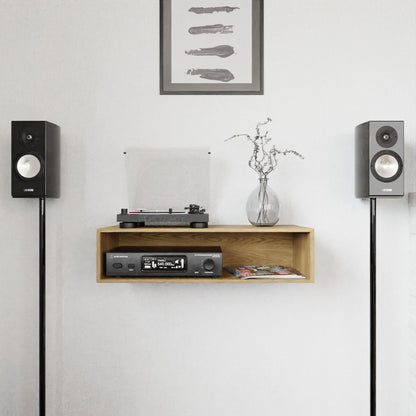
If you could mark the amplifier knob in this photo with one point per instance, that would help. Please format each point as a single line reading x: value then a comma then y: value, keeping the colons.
x: 208, y: 265
x: 117, y: 265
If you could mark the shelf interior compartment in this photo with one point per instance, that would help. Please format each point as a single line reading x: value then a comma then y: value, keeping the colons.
x: 291, y: 249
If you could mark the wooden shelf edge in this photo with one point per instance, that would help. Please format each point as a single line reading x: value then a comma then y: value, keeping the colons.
x: 210, y: 229
x: 226, y: 278
x: 195, y: 280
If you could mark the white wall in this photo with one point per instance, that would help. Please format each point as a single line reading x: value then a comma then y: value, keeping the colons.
x: 181, y: 349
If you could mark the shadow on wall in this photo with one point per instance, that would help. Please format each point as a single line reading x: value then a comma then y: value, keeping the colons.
x: 61, y: 215
x: 412, y: 300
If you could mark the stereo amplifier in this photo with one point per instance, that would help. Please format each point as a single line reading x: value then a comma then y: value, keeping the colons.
x: 164, y: 261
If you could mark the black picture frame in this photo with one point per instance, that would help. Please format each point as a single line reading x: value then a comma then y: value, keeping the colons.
x: 211, y: 86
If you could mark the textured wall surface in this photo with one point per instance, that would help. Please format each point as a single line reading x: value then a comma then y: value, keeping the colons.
x: 180, y: 349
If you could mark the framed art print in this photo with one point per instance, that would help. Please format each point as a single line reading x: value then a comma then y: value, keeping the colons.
x: 211, y: 47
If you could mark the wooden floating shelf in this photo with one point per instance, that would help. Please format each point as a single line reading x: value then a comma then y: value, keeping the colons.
x: 287, y: 245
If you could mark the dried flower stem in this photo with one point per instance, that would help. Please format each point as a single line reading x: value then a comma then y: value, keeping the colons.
x: 263, y: 160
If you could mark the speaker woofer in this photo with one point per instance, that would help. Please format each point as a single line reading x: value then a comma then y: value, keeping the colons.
x: 386, y: 166
x: 28, y: 166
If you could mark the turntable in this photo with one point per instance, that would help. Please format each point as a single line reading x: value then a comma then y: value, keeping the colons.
x: 193, y: 216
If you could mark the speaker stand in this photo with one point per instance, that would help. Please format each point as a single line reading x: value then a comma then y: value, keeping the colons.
x: 42, y: 303
x: 373, y: 298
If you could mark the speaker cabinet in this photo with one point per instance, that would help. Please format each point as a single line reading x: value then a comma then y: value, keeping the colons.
x: 35, y: 159
x: 379, y: 159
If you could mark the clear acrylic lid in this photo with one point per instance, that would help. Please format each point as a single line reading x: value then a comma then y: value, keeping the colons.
x: 159, y: 179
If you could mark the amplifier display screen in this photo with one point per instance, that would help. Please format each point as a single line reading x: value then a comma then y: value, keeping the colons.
x: 167, y: 263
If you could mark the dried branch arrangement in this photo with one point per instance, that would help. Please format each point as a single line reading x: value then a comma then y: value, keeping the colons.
x: 263, y: 160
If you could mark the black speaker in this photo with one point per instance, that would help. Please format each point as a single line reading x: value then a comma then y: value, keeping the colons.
x: 35, y: 159
x: 379, y: 159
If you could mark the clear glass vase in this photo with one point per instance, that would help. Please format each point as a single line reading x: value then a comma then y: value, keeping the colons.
x: 263, y: 207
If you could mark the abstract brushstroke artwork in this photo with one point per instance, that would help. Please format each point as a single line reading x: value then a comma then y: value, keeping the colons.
x: 211, y: 47
x: 210, y: 29
x: 201, y: 10
x: 223, y: 75
x: 223, y: 51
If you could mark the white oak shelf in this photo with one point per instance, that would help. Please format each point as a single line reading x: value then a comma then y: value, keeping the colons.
x: 287, y: 245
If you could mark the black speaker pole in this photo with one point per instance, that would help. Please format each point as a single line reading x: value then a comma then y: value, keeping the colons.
x: 42, y: 302
x: 35, y: 173
x: 373, y: 298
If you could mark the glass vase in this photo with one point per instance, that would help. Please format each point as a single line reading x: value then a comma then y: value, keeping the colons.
x: 263, y: 206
